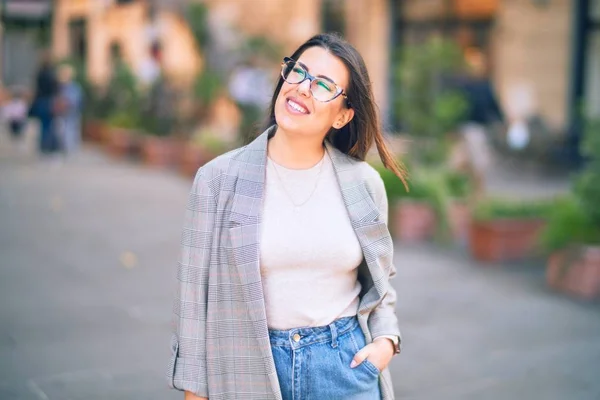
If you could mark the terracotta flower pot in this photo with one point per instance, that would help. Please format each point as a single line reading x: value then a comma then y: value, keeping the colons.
x: 413, y: 220
x: 575, y: 271
x: 93, y: 130
x: 192, y: 158
x: 160, y: 151
x: 504, y: 239
x: 122, y: 142
x: 459, y: 219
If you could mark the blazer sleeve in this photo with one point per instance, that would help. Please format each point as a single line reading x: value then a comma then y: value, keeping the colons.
x: 187, y: 369
x: 383, y: 320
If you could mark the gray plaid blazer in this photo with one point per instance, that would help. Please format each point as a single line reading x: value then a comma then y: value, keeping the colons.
x: 220, y: 347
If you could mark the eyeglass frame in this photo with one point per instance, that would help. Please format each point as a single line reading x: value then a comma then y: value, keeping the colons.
x: 311, y: 78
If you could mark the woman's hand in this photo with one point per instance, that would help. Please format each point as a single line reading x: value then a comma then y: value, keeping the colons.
x: 192, y: 396
x: 379, y: 353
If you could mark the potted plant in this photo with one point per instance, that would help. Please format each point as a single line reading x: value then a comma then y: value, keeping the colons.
x: 160, y: 151
x: 573, y: 232
x: 122, y: 138
x: 158, y: 146
x: 414, y: 214
x: 506, y: 230
x: 203, y: 147
x: 573, y: 241
x: 121, y: 103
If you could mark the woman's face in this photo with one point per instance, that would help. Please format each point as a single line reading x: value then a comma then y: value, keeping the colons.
x: 298, y: 112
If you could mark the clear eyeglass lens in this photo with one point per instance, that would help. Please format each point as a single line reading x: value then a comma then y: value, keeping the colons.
x: 293, y: 72
x: 322, y: 89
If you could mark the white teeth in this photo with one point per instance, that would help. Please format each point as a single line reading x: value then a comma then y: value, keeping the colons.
x: 297, y: 107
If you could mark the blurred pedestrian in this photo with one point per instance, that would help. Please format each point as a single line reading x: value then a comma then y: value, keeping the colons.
x: 15, y: 114
x: 249, y: 86
x: 68, y: 109
x: 42, y: 106
x: 484, y: 112
x: 286, y: 255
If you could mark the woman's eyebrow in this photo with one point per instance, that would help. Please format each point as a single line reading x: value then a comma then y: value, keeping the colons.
x: 318, y: 76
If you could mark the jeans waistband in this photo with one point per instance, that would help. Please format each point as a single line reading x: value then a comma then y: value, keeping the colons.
x: 300, y: 337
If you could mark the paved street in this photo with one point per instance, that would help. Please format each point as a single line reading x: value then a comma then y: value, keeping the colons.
x: 87, y: 272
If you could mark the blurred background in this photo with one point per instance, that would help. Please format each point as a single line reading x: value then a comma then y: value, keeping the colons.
x: 109, y: 107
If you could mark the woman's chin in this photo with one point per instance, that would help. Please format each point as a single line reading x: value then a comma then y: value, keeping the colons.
x: 289, y: 124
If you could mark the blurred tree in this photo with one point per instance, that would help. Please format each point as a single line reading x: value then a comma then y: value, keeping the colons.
x: 587, y: 184
x: 427, y: 107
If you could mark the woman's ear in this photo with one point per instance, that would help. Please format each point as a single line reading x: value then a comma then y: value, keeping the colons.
x: 343, y: 118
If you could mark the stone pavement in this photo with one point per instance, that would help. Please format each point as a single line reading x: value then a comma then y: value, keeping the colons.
x: 87, y: 265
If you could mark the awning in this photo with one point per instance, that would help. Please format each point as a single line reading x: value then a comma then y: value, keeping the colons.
x: 26, y: 10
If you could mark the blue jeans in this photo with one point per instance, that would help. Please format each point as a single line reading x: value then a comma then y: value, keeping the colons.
x: 314, y: 363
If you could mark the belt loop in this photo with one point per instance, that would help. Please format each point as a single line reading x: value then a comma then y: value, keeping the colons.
x: 334, y: 334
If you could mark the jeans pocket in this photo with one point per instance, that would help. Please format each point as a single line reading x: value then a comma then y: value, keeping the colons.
x: 369, y: 365
x: 357, y: 339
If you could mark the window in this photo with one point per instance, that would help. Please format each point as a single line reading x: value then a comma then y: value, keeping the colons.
x: 592, y: 65
x: 333, y: 16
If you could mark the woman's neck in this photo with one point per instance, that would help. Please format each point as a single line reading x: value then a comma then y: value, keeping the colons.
x: 295, y: 152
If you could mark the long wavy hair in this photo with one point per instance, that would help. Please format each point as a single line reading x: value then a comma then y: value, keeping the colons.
x: 356, y: 137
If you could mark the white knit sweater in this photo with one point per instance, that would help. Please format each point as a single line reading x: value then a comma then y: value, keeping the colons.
x: 309, y: 254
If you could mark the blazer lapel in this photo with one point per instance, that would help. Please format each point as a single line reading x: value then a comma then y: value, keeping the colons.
x: 244, y: 233
x: 244, y: 227
x: 367, y: 222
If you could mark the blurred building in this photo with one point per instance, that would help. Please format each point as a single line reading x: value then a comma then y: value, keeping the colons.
x: 94, y: 31
x: 25, y: 26
x: 543, y: 56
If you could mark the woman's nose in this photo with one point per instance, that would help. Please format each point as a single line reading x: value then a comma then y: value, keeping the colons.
x: 304, y: 88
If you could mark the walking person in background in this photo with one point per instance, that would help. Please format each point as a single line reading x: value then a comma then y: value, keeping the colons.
x: 68, y: 109
x: 15, y: 115
x: 284, y: 275
x: 249, y: 85
x: 42, y: 106
x: 484, y: 112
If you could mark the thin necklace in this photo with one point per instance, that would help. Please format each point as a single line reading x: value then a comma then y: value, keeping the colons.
x: 297, y: 206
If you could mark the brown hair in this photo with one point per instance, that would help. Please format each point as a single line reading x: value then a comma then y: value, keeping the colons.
x: 355, y: 138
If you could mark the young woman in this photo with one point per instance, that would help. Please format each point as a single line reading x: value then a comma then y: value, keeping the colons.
x: 286, y: 256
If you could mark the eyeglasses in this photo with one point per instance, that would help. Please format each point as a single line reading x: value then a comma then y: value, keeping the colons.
x: 323, y: 89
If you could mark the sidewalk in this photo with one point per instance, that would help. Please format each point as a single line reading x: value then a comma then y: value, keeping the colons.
x: 87, y: 273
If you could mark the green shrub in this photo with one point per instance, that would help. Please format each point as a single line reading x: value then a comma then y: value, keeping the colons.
x: 576, y: 219
x: 458, y: 184
x: 426, y: 107
x: 124, y: 120
x: 567, y: 224
x: 393, y: 185
x: 496, y: 208
x: 210, y: 141
x: 587, y: 184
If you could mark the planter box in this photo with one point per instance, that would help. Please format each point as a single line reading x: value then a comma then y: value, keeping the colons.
x: 413, y: 221
x: 575, y: 271
x: 192, y: 158
x: 122, y: 143
x: 160, y: 151
x: 93, y: 130
x: 459, y: 220
x: 504, y: 239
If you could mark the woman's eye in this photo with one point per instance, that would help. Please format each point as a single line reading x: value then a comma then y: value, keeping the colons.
x: 325, y: 85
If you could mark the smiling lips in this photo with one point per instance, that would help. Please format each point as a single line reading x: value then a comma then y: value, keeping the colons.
x: 297, y: 106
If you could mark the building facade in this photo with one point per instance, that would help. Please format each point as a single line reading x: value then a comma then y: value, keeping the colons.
x: 91, y: 30
x: 543, y: 55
